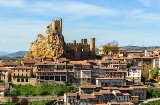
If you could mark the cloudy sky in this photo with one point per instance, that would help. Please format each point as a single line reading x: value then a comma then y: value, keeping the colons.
x: 130, y: 22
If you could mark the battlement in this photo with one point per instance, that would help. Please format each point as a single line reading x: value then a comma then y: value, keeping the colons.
x: 76, y: 44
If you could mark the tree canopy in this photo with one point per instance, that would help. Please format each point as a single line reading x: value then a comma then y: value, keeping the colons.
x: 154, y: 72
x: 111, y: 46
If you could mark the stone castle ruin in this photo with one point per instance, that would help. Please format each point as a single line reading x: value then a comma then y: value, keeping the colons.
x: 52, y: 45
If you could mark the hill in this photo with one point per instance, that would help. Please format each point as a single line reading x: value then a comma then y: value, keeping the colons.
x: 17, y: 54
x: 2, y: 53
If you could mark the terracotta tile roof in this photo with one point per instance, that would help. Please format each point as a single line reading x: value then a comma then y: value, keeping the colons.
x: 123, y: 62
x: 121, y: 71
x: 60, y: 70
x: 135, y: 51
x: 83, y: 96
x: 1, y: 89
x: 4, y: 69
x: 109, y: 78
x: 10, y: 63
x: 117, y: 58
x: 146, y: 57
x: 106, y: 88
x: 45, y: 63
x: 107, y: 68
x: 63, y: 59
x: 69, y: 64
x: 45, y: 71
x: 21, y: 68
x: 134, y: 56
x: 149, y: 50
x: 29, y: 61
x: 86, y: 70
x: 86, y: 64
x: 129, y: 88
x: 105, y: 91
x: 158, y: 49
x: 106, y: 58
x: 114, y: 61
x: 90, y: 96
x: 1, y: 64
x: 135, y: 67
x: 78, y: 62
x: 71, y: 94
x: 126, y: 94
x: 139, y: 87
x: 103, y: 61
x: 120, y: 103
x: 97, y: 93
x: 58, y: 63
x: 95, y: 67
x: 117, y: 91
x: 134, y: 96
x: 100, y: 104
x: 90, y: 86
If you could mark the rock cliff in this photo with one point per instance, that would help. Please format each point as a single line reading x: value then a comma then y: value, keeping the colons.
x: 51, y: 45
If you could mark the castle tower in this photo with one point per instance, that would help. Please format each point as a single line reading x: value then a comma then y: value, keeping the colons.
x: 83, y: 41
x: 74, y: 42
x: 57, y: 25
x: 92, y: 44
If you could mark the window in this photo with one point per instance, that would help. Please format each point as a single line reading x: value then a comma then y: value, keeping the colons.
x: 26, y: 80
x: 18, y: 80
x: 22, y: 80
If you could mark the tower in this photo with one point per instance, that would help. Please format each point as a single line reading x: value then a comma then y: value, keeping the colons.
x: 92, y: 44
x: 57, y: 25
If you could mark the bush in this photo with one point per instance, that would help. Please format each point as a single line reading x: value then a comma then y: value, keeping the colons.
x: 28, y: 90
x: 15, y: 99
x: 153, y: 92
x: 24, y: 101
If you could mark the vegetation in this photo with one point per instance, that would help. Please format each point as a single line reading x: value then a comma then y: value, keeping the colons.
x: 19, y: 59
x: 44, y: 102
x: 112, y: 46
x: 152, y: 103
x: 154, y: 72
x: 29, y: 90
x: 153, y: 92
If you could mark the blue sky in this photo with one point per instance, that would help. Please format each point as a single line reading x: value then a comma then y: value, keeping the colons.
x: 130, y: 22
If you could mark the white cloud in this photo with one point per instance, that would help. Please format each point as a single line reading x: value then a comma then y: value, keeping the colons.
x: 146, y: 2
x: 52, y: 8
x: 12, y: 3
x: 144, y: 17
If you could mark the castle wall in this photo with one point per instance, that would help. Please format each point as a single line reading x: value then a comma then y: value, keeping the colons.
x: 78, y: 47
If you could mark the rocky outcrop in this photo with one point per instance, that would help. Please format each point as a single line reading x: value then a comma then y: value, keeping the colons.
x: 51, y: 45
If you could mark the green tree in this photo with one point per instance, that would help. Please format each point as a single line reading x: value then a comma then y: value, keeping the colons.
x: 154, y: 72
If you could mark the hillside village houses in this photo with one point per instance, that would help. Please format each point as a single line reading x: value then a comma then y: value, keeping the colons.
x: 112, y: 79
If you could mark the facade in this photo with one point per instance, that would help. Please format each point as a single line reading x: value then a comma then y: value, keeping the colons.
x: 95, y: 94
x: 134, y: 74
x: 145, y: 62
x: 21, y: 75
x: 5, y: 75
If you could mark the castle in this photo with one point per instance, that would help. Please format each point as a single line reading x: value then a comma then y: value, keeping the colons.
x: 52, y: 45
